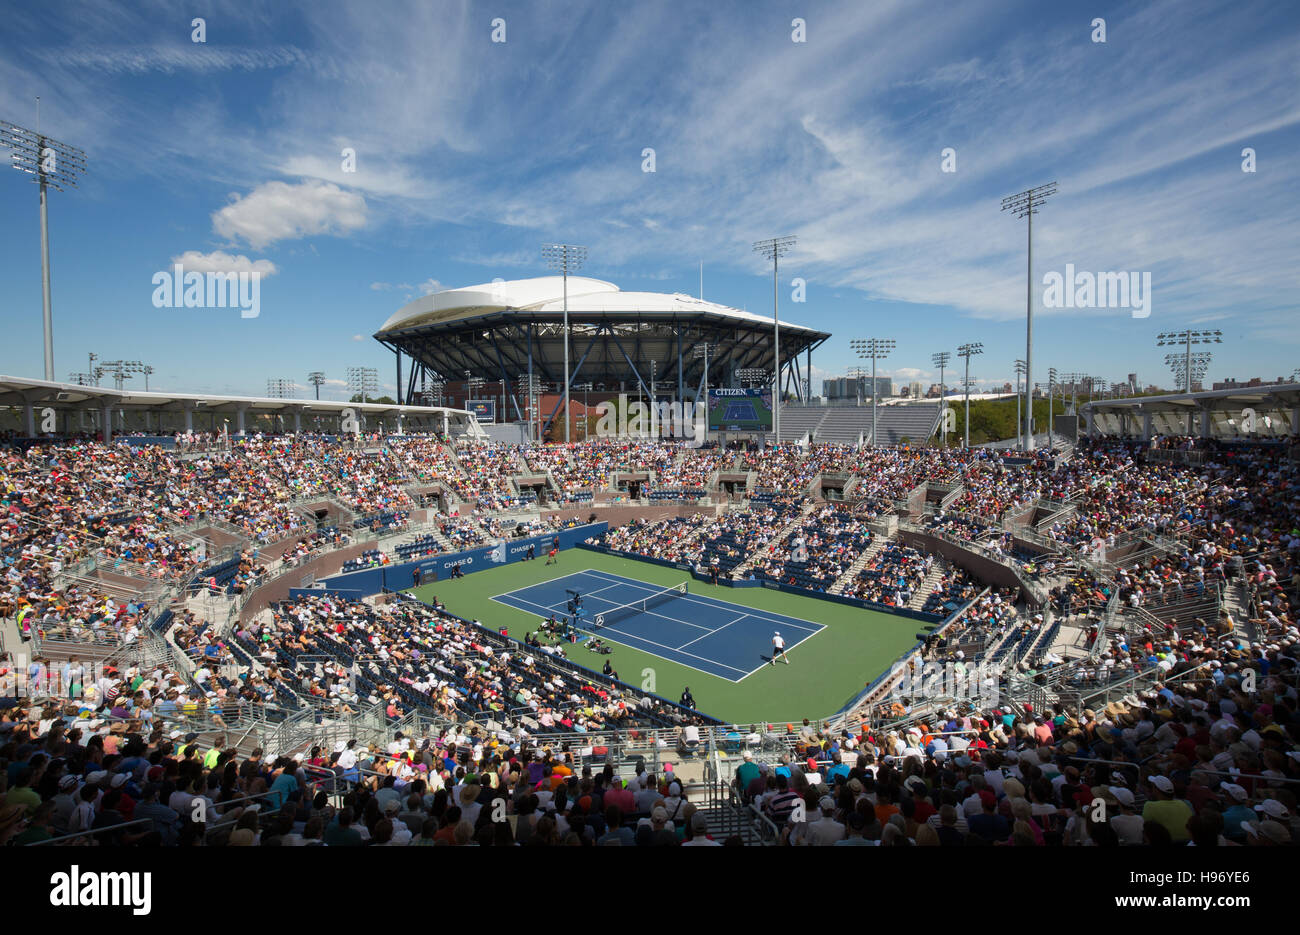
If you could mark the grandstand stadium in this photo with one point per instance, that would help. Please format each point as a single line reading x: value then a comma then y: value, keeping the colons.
x: 409, y: 620
x: 230, y: 620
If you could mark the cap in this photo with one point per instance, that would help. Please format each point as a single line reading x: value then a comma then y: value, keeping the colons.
x: 1235, y: 791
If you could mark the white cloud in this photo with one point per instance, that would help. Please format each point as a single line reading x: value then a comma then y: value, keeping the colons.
x: 280, y: 211
x: 430, y: 286
x: 381, y: 286
x: 192, y: 57
x: 219, y: 262
x: 358, y: 337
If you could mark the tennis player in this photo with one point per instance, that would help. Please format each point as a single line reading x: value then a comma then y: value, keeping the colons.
x: 778, y: 648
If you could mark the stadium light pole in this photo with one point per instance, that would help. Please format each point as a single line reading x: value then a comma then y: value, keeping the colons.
x: 147, y: 371
x: 1186, y: 338
x: 773, y: 249
x: 704, y: 350
x: 1051, y: 388
x: 316, y: 378
x: 941, y: 359
x: 52, y: 165
x: 566, y: 258
x: 968, y: 351
x: 1025, y: 205
x: 1020, y: 429
x: 873, y: 349
x: 363, y: 380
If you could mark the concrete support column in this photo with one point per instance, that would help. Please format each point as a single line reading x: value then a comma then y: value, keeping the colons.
x: 239, y: 420
x: 1205, y: 422
x: 1146, y: 426
x: 106, y: 423
x: 29, y: 419
x: 189, y: 419
x: 297, y: 421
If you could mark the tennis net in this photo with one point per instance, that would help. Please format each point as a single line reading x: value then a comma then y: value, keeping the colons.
x: 640, y: 606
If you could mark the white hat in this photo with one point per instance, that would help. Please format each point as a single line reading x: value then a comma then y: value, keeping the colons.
x: 1237, y: 792
x: 1163, y: 783
x: 1273, y: 809
x: 1122, y: 796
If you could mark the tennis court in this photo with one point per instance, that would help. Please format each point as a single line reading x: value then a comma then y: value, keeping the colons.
x: 709, y: 635
x: 740, y: 411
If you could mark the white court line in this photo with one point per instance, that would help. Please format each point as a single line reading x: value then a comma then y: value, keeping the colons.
x: 642, y: 638
x: 787, y: 652
x: 714, y: 602
x: 711, y: 632
x: 564, y: 605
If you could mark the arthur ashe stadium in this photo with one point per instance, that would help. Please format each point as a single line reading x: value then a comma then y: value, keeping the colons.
x: 310, y: 622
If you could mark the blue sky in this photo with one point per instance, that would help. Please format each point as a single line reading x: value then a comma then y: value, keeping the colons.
x: 470, y: 154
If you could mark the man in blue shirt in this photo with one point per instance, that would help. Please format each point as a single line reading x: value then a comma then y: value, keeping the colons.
x: 838, y: 770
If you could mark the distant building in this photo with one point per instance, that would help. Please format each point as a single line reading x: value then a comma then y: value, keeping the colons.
x: 1231, y: 384
x: 855, y: 387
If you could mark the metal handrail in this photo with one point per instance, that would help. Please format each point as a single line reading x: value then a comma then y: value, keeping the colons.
x: 92, y: 831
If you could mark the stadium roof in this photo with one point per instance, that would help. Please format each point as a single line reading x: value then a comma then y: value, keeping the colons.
x: 23, y: 393
x: 546, y: 294
x: 1222, y: 413
x: 506, y: 331
x: 19, y: 391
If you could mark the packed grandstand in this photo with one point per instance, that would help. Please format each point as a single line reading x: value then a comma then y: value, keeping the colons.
x: 172, y: 675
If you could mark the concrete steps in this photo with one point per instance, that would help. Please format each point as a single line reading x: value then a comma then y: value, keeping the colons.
x: 938, y: 570
x: 877, y: 543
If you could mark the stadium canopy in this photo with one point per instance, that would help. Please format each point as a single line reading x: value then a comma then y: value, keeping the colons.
x: 620, y: 341
x: 168, y: 413
x: 1246, y: 412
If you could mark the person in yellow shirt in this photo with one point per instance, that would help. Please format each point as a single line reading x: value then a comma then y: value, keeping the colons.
x: 1166, y: 810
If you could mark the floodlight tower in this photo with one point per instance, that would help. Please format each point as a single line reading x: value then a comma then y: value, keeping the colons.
x: 705, y: 350
x: 566, y: 258
x: 119, y: 370
x: 317, y: 379
x: 1051, y: 388
x: 873, y: 349
x: 1025, y: 205
x: 1020, y: 436
x: 941, y: 359
x: 968, y: 351
x: 773, y: 249
x: 363, y: 381
x: 52, y: 165
x: 1186, y: 338
x: 147, y: 371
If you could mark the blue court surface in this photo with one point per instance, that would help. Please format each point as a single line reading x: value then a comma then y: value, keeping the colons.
x: 740, y: 412
x: 702, y: 633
